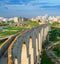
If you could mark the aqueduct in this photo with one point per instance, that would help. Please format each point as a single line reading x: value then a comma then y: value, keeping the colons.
x: 26, y: 48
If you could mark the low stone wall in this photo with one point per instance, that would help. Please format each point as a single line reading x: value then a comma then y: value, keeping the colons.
x: 5, y: 45
x: 5, y: 40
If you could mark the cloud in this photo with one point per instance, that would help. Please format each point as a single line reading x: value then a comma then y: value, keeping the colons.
x: 28, y: 7
x: 27, y: 4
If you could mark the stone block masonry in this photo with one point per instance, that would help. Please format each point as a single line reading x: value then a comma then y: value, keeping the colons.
x: 26, y: 47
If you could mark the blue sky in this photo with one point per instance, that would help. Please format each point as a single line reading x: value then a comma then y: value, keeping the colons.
x: 29, y: 8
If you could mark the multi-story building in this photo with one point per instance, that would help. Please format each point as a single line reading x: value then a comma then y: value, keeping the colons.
x: 41, y: 19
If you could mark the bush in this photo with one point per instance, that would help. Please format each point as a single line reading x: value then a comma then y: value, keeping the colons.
x: 53, y: 35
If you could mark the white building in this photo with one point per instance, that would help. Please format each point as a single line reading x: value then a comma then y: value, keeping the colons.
x: 5, y: 19
x: 1, y: 19
x: 33, y: 19
x: 16, y: 19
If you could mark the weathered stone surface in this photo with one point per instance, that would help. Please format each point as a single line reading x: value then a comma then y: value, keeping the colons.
x: 26, y: 47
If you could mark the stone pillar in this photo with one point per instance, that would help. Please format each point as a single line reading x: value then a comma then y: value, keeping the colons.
x: 31, y: 52
x: 41, y: 39
x: 40, y: 43
x: 24, y: 59
x: 15, y: 61
x: 48, y: 28
x: 37, y: 50
x: 45, y: 33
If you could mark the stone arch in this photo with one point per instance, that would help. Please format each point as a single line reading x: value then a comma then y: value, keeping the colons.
x: 24, y: 58
x: 31, y: 51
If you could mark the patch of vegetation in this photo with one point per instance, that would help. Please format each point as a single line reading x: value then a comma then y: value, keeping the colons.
x: 54, y: 33
x: 56, y: 49
x: 4, y: 24
x: 46, y: 43
x: 33, y: 23
x: 45, y: 58
x: 2, y: 41
x: 54, y: 36
x: 55, y: 24
x: 8, y: 31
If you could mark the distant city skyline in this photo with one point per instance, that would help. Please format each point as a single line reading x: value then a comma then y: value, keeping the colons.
x: 29, y: 8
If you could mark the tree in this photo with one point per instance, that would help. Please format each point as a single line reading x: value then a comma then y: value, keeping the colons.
x: 53, y: 35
